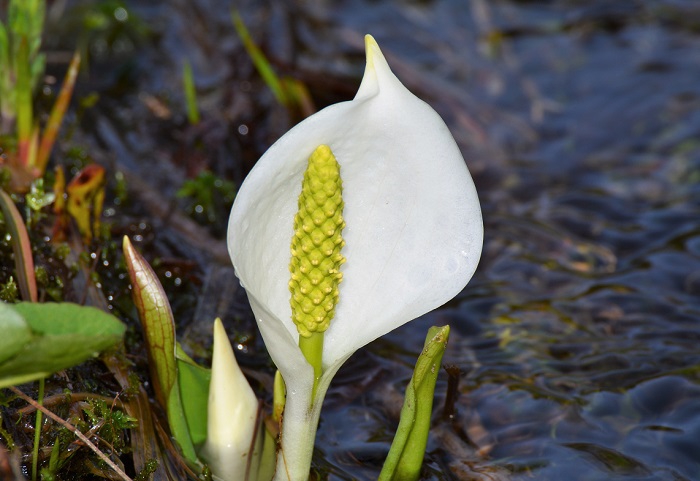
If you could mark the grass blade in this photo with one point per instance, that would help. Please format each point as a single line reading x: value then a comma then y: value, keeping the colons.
x: 37, y: 431
x: 57, y: 113
x: 23, y: 99
x: 190, y: 94
x: 7, y: 105
x: 22, y: 248
x: 261, y: 64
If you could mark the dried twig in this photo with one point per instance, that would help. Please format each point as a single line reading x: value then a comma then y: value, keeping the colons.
x: 72, y: 398
x: 75, y: 431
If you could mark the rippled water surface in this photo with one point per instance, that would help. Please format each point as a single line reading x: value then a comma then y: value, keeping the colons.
x: 577, y: 340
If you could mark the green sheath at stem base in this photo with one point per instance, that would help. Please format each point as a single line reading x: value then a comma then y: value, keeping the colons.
x: 312, y: 347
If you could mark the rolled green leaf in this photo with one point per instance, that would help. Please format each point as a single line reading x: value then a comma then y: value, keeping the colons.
x: 156, y: 321
x: 408, y: 448
x: 159, y: 332
x: 6, y: 91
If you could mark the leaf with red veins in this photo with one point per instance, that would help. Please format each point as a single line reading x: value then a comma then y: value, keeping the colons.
x: 21, y: 247
x: 156, y: 321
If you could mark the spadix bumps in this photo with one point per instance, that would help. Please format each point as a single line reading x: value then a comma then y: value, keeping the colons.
x: 316, y: 257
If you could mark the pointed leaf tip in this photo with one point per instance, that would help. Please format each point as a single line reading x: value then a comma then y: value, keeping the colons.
x: 156, y: 318
x: 232, y: 422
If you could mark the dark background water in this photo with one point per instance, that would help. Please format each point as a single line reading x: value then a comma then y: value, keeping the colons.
x: 577, y: 340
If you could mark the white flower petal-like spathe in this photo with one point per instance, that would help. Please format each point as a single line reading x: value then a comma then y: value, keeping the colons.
x: 232, y: 421
x: 412, y: 240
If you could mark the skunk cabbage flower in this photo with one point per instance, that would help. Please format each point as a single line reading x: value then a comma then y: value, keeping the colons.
x: 411, y: 237
x: 232, y: 421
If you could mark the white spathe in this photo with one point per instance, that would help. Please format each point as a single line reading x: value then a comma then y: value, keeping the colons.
x: 413, y: 236
x: 232, y: 421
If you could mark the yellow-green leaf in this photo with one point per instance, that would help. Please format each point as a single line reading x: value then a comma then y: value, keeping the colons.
x: 405, y: 457
x: 193, y: 382
x: 86, y: 193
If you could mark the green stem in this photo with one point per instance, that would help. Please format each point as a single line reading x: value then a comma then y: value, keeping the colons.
x: 37, y: 431
x: 312, y: 348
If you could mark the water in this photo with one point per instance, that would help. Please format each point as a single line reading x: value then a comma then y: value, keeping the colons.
x: 578, y: 337
x: 577, y: 340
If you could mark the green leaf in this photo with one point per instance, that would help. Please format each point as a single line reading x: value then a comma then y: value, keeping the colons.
x: 178, y: 424
x: 193, y: 383
x: 62, y: 335
x: 156, y: 321
x: 159, y: 331
x: 15, y: 332
x: 405, y: 457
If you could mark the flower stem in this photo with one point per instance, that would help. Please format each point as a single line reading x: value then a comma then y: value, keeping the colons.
x: 312, y: 348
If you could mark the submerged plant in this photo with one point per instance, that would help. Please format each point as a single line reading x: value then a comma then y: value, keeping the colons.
x: 383, y: 186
